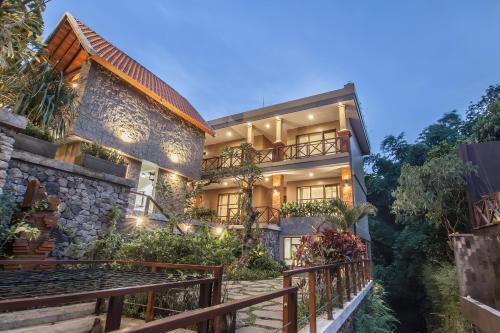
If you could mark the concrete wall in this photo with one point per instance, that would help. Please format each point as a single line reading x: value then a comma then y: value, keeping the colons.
x: 110, y: 107
x: 86, y: 196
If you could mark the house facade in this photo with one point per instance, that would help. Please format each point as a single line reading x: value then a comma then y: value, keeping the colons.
x: 126, y: 108
x: 309, y: 149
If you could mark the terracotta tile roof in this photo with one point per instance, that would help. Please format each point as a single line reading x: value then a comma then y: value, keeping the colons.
x: 98, y: 47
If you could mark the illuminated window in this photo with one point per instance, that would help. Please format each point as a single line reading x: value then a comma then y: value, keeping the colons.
x: 317, y: 192
x: 228, y: 206
x: 290, y: 245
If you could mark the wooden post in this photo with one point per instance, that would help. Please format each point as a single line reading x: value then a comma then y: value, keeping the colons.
x: 340, y: 291
x: 291, y: 314
x: 347, y: 281
x: 232, y: 325
x: 363, y: 272
x: 354, y: 278
x: 204, y: 301
x: 329, y: 294
x: 217, y: 295
x: 149, y: 315
x: 311, y: 279
x: 287, y: 282
x: 114, y: 316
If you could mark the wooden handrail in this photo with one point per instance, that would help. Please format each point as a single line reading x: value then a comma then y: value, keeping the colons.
x: 288, y: 152
x: 486, y: 212
x: 200, y: 315
x: 356, y: 275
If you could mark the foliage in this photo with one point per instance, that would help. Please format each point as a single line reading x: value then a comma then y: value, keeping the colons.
x: 440, y: 280
x: 329, y: 246
x: 21, y: 27
x: 434, y: 191
x: 109, y: 242
x: 374, y: 315
x: 307, y: 208
x: 99, y: 151
x: 260, y: 266
x: 201, y: 213
x: 347, y: 216
x: 38, y: 132
x: 10, y: 231
x: 483, y: 117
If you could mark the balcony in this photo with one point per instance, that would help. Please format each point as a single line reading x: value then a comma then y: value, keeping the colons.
x: 297, y: 151
x: 267, y: 215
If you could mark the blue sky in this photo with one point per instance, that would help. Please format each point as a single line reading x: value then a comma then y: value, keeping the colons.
x: 411, y: 61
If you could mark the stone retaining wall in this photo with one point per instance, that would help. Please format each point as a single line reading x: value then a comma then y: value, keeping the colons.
x: 86, y: 196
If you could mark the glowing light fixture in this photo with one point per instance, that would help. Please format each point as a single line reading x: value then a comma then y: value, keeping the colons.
x: 311, y: 174
x: 229, y: 133
x: 125, y: 137
x: 174, y: 158
x: 74, y: 85
x: 218, y: 230
x: 139, y: 220
x: 268, y: 125
x: 225, y: 183
x: 311, y: 116
x: 266, y: 179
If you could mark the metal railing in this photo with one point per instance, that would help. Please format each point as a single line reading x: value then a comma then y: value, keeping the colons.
x: 281, y: 153
x: 487, y: 211
x: 184, y: 319
x: 350, y: 278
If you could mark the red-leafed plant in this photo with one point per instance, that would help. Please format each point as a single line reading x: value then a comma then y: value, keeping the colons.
x: 329, y: 246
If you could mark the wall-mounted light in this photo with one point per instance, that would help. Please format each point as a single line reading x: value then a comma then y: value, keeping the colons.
x: 268, y: 125
x: 218, y: 231
x: 174, y: 157
x: 311, y: 174
x: 224, y: 183
x: 229, y: 133
x: 311, y: 116
x: 125, y: 137
x: 266, y: 179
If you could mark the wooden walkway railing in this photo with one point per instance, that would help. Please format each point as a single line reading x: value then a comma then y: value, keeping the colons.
x: 487, y: 211
x: 184, y: 319
x: 351, y: 277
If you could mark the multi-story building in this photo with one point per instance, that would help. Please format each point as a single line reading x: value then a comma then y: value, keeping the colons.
x: 309, y: 149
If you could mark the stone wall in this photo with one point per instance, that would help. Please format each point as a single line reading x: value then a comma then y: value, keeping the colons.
x: 86, y: 197
x: 170, y: 192
x: 111, y: 108
x: 270, y: 239
x: 9, y: 124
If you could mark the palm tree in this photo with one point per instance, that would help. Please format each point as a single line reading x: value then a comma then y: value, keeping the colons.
x: 347, y: 215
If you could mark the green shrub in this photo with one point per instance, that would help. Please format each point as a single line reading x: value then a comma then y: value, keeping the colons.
x: 260, y: 266
x: 97, y: 150
x: 308, y: 208
x: 201, y: 213
x: 373, y: 315
x: 38, y: 132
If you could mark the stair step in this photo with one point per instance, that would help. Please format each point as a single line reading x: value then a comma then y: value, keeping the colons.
x: 19, y: 319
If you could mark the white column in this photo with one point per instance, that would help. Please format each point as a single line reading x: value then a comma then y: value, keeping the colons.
x: 342, y: 118
x: 279, y: 123
x: 250, y: 133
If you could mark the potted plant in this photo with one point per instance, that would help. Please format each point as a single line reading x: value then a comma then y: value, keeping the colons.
x: 95, y: 157
x: 37, y: 140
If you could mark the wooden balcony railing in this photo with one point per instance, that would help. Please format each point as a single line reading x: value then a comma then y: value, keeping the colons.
x: 267, y: 215
x: 281, y: 153
x: 487, y: 211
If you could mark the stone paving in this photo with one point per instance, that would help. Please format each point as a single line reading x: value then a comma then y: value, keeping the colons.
x: 263, y: 317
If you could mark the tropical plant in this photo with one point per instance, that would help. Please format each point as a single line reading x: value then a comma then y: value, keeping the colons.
x: 329, y: 246
x: 201, y: 213
x: 373, y: 315
x: 347, y: 215
x: 97, y: 150
x: 308, y: 208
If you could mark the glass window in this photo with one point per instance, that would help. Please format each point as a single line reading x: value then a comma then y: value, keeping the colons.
x: 317, y: 192
x: 290, y: 245
x: 228, y: 205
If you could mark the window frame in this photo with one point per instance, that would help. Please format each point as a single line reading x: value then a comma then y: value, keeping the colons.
x: 299, y: 194
x: 227, y: 217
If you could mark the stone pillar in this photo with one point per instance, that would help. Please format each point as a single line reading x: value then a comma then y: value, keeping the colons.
x: 278, y: 194
x: 347, y: 185
x: 343, y: 134
x: 250, y: 133
x: 278, y: 143
x: 9, y: 124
